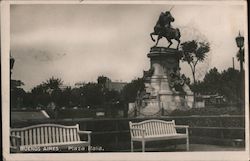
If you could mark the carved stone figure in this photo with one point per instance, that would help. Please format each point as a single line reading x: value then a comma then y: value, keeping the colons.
x: 177, y: 81
x: 148, y: 74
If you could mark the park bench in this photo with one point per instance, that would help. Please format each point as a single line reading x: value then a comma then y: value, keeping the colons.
x: 48, y: 136
x: 156, y: 130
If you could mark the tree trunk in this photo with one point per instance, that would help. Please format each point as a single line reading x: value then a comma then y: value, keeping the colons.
x: 193, y: 72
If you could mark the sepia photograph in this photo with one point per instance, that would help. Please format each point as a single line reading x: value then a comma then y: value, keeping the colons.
x: 125, y: 78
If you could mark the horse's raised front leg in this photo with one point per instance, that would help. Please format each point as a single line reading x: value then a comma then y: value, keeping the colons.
x: 170, y: 42
x: 151, y: 35
x: 159, y: 37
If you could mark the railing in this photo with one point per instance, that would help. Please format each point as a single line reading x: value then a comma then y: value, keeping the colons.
x: 113, y: 133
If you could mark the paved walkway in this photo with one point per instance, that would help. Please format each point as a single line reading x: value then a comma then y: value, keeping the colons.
x: 194, y: 148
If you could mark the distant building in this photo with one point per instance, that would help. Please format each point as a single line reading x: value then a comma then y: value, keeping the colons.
x: 116, y: 86
x: 209, y: 100
x: 79, y: 84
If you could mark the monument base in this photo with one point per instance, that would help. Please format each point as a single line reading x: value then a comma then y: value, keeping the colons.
x: 161, y: 89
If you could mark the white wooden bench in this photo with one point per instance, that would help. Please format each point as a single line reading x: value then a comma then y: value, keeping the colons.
x: 48, y: 135
x: 156, y: 130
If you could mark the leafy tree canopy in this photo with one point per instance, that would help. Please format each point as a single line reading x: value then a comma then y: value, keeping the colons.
x: 194, y: 52
x: 130, y: 90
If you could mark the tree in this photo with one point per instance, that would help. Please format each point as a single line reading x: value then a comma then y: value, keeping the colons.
x: 193, y: 53
x: 53, y: 83
x: 93, y: 94
x: 17, y: 94
x: 47, y: 92
x: 210, y: 84
x: 230, y: 84
x: 16, y: 97
x: 111, y: 96
x: 225, y: 83
x: 40, y: 95
x: 65, y: 97
x: 102, y: 79
x: 130, y: 90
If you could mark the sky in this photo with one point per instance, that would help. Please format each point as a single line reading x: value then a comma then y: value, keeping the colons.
x: 78, y: 43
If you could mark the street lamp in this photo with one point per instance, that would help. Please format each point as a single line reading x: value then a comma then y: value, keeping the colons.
x: 240, y: 55
x: 12, y: 61
x: 240, y: 44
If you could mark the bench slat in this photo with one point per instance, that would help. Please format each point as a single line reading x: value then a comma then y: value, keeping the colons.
x: 167, y: 128
x: 135, y: 131
x: 38, y: 135
x: 157, y: 128
x: 42, y: 135
x: 71, y: 135
x: 170, y: 129
x: 74, y: 135
x: 57, y: 135
x: 26, y: 138
x: 18, y: 133
x: 68, y: 137
x: 64, y: 135
x: 139, y: 132
x: 45, y: 135
x: 153, y: 128
x: 30, y: 137
x: 161, y: 128
x: 146, y: 127
x: 12, y: 140
x: 53, y: 134
x: 33, y: 131
x: 164, y: 128
x: 61, y: 134
x: 49, y: 135
x: 22, y: 137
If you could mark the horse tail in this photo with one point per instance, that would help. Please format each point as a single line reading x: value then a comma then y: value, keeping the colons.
x: 178, y: 33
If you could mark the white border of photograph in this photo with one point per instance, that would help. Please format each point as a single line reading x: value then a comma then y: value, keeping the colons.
x: 149, y: 156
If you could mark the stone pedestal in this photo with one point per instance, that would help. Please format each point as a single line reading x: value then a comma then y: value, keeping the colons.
x: 164, y: 62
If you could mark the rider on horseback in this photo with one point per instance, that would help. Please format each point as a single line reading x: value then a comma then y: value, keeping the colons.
x: 164, y: 21
x: 163, y: 28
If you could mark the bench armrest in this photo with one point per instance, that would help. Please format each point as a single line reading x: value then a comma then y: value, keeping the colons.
x: 86, y: 132
x: 182, y: 127
x: 15, y: 142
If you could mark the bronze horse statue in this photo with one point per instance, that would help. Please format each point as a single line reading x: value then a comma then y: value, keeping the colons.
x: 163, y: 28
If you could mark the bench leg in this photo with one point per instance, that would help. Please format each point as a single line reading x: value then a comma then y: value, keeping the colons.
x: 132, y: 146
x: 187, y: 144
x: 143, y: 146
x: 89, y: 148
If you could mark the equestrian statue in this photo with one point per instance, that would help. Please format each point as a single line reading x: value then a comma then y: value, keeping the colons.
x: 163, y: 28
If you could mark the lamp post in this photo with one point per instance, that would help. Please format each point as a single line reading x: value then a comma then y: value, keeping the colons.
x: 240, y: 55
x: 240, y: 44
x: 12, y: 61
